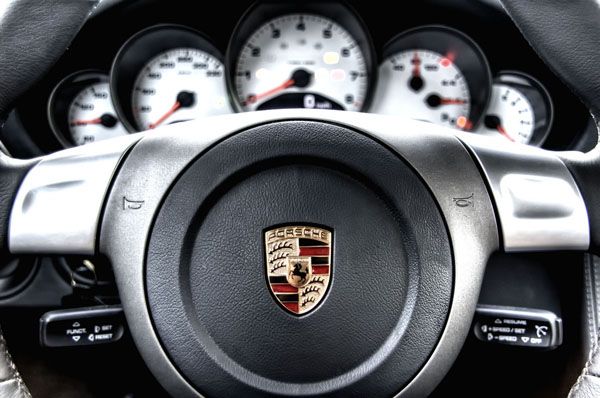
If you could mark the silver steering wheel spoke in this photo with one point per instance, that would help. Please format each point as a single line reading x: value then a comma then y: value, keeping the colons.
x: 59, y: 203
x: 537, y: 201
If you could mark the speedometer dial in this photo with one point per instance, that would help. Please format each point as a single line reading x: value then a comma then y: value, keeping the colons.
x: 300, y: 60
x: 167, y: 74
x: 177, y: 85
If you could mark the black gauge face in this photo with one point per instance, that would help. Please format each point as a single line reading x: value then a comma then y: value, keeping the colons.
x: 435, y: 74
x: 520, y: 110
x: 80, y: 110
x: 300, y: 59
x: 168, y: 74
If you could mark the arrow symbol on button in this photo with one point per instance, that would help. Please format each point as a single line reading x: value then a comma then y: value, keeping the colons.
x: 76, y: 324
x: 525, y: 339
x: 76, y: 338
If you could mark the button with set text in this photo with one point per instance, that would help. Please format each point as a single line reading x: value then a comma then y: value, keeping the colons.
x: 82, y: 326
x: 515, y: 326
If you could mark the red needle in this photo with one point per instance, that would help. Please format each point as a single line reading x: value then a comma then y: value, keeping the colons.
x: 253, y: 98
x: 417, y: 65
x: 175, y: 106
x: 452, y: 101
x: 84, y: 122
x: 504, y: 133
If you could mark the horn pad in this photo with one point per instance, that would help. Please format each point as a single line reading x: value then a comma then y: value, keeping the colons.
x: 391, y: 271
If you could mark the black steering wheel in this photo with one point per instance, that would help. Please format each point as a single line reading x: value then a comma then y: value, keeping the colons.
x: 300, y: 252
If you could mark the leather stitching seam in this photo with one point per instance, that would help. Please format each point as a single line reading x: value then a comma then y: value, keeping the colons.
x: 15, y: 375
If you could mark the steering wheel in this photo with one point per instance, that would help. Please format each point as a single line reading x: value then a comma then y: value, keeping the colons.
x: 383, y: 226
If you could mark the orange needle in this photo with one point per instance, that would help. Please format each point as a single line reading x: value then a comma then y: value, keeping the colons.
x: 451, y: 101
x: 417, y: 65
x: 175, y: 106
x: 504, y: 133
x: 84, y: 122
x: 253, y: 98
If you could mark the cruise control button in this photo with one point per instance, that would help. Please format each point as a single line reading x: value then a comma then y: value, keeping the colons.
x: 82, y: 326
x: 524, y: 327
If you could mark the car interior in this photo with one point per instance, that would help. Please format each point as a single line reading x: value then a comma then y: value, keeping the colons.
x: 341, y: 198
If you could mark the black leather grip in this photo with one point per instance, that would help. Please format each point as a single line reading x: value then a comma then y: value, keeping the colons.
x: 586, y: 171
x: 566, y: 35
x: 12, y: 173
x: 33, y: 35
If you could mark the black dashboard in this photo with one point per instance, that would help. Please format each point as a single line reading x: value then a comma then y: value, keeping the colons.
x: 137, y: 65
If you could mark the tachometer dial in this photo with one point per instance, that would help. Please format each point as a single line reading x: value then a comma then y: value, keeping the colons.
x: 168, y: 74
x: 520, y: 110
x: 435, y: 74
x: 301, y: 60
x: 80, y: 110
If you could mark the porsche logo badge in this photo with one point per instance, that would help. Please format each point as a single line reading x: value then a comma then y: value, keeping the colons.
x: 298, y: 266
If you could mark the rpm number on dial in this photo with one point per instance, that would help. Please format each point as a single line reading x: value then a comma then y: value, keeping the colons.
x: 301, y: 61
x: 178, y: 85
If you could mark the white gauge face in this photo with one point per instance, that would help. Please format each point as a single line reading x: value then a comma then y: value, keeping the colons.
x: 423, y: 85
x: 301, y: 61
x: 92, y: 116
x: 178, y: 85
x: 509, y: 116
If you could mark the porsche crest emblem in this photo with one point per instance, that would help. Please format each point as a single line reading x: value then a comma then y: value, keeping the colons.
x: 298, y: 266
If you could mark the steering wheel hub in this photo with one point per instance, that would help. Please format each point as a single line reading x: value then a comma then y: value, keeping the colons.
x: 382, y: 285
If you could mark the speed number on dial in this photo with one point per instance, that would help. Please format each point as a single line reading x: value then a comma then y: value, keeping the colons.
x: 301, y: 61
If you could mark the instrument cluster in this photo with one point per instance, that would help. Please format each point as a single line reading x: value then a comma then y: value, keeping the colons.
x: 299, y: 55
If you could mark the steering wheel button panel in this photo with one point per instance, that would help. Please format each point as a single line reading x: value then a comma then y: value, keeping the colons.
x: 82, y: 326
x: 523, y: 327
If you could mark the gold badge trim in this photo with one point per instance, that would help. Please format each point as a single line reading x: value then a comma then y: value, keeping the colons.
x: 298, y: 260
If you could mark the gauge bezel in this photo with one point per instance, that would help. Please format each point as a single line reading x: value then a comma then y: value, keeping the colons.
x: 261, y: 13
x: 61, y: 98
x: 140, y: 49
x: 516, y: 79
x: 472, y: 63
